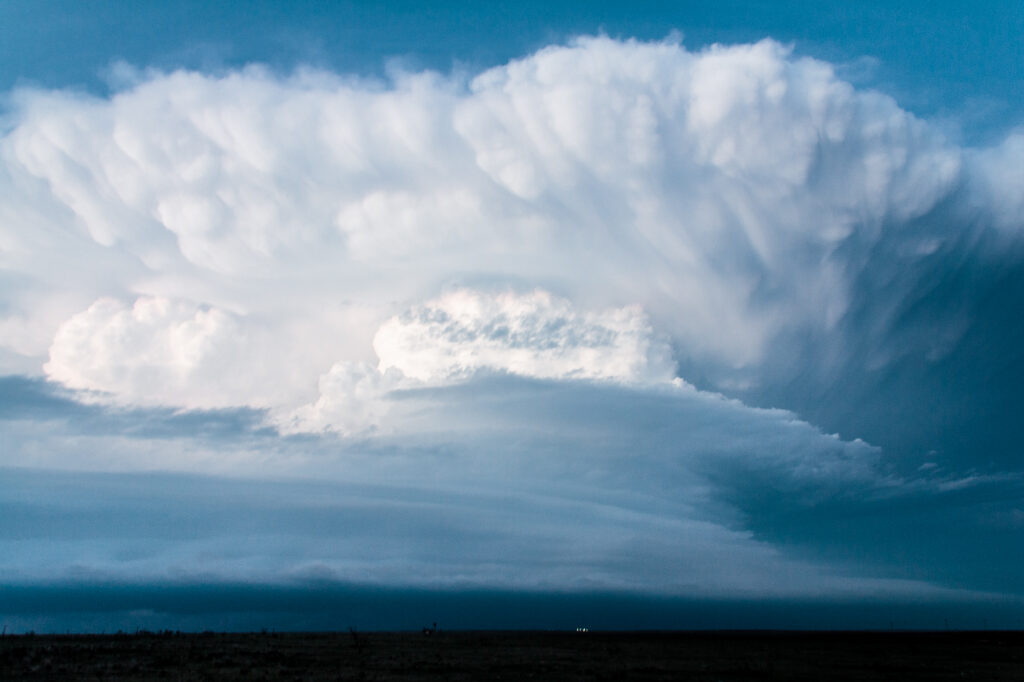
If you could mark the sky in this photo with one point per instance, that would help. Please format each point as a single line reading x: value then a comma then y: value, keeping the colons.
x: 667, y: 315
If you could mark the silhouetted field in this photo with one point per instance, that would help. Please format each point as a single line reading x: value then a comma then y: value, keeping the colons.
x: 712, y: 656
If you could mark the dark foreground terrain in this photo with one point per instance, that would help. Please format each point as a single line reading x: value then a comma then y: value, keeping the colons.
x: 517, y: 656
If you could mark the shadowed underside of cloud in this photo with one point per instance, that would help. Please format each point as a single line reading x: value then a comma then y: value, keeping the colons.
x: 479, y: 309
x: 323, y: 606
x: 503, y: 482
x: 520, y: 483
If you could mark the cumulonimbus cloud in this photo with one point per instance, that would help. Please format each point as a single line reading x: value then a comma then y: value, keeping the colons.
x: 488, y: 289
x: 725, y: 197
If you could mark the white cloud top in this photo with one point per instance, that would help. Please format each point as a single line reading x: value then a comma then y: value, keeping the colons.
x: 207, y: 241
x: 532, y: 335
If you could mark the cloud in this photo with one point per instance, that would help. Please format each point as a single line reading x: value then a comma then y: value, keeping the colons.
x: 533, y: 335
x: 492, y: 300
x: 467, y: 332
x: 503, y: 481
x: 148, y: 353
x: 133, y: 528
x: 1000, y: 178
x: 353, y: 399
x: 719, y: 191
x: 507, y: 481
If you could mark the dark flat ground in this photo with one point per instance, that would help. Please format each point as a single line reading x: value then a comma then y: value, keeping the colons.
x: 725, y: 656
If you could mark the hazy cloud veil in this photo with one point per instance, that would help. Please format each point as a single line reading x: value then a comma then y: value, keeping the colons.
x: 481, y: 310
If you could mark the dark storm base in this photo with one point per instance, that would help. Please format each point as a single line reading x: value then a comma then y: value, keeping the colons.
x: 518, y: 656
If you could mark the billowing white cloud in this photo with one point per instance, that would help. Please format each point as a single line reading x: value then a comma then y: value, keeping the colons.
x: 353, y: 400
x: 465, y: 332
x: 161, y: 352
x: 158, y: 352
x: 727, y: 197
x: 534, y: 335
x: 154, y: 351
